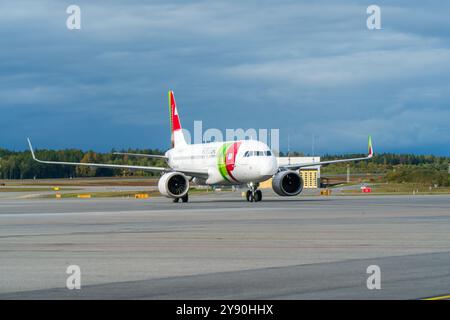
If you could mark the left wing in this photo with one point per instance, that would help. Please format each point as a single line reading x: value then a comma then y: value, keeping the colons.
x: 192, y: 173
x: 297, y: 166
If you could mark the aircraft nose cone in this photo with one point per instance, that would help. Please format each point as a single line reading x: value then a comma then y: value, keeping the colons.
x: 268, y: 168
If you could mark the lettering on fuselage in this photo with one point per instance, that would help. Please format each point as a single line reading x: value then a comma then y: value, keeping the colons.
x: 193, y: 157
x: 206, y: 153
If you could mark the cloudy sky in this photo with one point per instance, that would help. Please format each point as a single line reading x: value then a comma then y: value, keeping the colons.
x: 309, y: 68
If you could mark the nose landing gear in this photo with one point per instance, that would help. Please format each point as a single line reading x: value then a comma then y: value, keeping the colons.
x: 253, y: 194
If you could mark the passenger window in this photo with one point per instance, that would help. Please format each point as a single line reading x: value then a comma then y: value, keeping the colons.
x: 269, y: 153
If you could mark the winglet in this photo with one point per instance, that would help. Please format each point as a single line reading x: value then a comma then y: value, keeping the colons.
x: 31, y: 149
x: 370, y: 151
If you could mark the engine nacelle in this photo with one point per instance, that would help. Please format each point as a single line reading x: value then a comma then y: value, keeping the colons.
x: 287, y: 183
x: 173, y: 185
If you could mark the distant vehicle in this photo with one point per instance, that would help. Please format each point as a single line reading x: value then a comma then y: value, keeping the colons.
x: 239, y: 163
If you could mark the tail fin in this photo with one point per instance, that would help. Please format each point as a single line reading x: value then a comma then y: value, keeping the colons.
x: 176, y: 131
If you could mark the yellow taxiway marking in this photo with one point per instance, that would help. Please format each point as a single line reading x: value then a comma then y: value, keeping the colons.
x: 438, y: 298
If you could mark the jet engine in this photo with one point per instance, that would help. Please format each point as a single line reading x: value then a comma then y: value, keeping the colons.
x: 287, y: 183
x: 173, y: 185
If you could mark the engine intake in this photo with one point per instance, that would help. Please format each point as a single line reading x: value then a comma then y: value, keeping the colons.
x: 173, y: 185
x: 287, y: 183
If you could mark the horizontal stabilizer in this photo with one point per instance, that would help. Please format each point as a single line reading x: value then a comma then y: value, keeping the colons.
x: 158, y: 156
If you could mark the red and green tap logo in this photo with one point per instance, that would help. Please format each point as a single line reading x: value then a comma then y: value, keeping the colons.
x: 226, y: 160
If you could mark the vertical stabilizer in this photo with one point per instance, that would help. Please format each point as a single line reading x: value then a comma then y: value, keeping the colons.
x: 176, y: 130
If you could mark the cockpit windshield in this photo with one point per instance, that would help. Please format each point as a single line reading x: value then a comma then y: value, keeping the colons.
x: 267, y: 153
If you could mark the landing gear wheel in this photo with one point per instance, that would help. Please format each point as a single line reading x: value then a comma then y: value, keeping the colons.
x: 253, y: 194
x: 249, y: 196
x: 185, y: 198
x: 258, y: 195
x: 176, y: 200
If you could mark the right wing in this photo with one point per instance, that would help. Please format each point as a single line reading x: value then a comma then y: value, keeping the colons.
x: 297, y: 166
x: 192, y: 173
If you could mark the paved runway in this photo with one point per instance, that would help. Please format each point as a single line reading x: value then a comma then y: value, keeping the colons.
x: 220, y: 247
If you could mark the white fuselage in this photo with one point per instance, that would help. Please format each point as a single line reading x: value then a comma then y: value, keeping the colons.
x: 226, y: 163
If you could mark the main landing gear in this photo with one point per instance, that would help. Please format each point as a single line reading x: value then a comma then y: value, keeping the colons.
x: 253, y: 194
x: 184, y: 198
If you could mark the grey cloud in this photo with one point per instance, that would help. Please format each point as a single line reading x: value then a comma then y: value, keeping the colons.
x: 304, y: 67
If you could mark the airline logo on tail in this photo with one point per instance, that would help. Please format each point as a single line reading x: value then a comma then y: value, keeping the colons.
x: 175, y: 124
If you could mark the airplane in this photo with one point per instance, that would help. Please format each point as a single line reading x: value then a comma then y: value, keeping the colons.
x: 235, y: 163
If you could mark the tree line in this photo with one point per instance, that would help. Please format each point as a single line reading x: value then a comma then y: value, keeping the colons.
x: 20, y: 165
x: 386, y: 162
x: 396, y: 167
x: 400, y: 168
